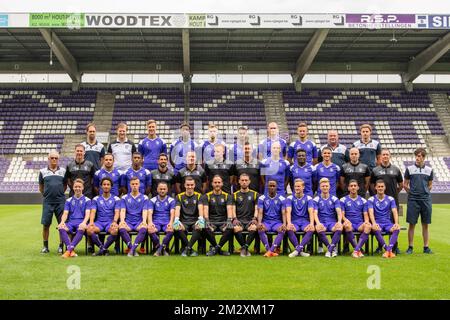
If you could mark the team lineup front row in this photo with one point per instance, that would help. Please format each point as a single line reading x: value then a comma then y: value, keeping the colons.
x: 230, y: 215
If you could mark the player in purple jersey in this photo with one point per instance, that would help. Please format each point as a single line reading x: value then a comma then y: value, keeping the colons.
x: 329, y: 170
x: 208, y: 145
x: 108, y: 171
x: 104, y: 217
x: 328, y: 217
x: 180, y: 148
x: 133, y: 217
x: 355, y: 217
x: 271, y: 217
x: 380, y: 207
x: 303, y: 143
x: 136, y: 170
x: 305, y: 172
x: 161, y: 212
x: 299, y: 217
x: 265, y: 147
x: 151, y: 147
x: 74, y: 218
x: 277, y: 169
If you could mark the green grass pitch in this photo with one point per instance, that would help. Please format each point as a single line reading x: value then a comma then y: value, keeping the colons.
x: 26, y: 274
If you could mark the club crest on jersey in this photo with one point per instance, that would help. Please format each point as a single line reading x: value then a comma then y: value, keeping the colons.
x: 249, y: 198
x: 222, y: 200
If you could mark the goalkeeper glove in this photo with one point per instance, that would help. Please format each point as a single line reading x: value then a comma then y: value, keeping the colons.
x: 176, y: 224
x: 200, y: 224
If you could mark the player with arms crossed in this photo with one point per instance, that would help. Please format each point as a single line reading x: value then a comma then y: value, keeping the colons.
x: 74, y: 219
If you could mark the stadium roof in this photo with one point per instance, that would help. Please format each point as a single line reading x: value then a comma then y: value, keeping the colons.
x: 406, y: 51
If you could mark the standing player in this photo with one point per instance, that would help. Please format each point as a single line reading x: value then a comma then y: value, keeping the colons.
x: 83, y: 169
x: 109, y: 171
x: 245, y: 213
x: 180, y: 148
x: 52, y: 185
x: 369, y: 149
x: 161, y: 212
x: 250, y: 166
x: 355, y: 170
x: 339, y: 156
x: 74, y: 219
x: 303, y: 143
x: 162, y: 174
x: 192, y: 170
x: 144, y: 176
x: 329, y: 170
x: 208, y: 146
x: 217, y: 208
x: 271, y: 218
x: 133, y: 217
x: 122, y: 149
x: 277, y: 169
x: 105, y: 213
x: 151, y: 147
x: 384, y: 218
x: 418, y: 184
x: 265, y: 147
x: 95, y: 151
x: 328, y: 217
x: 306, y: 172
x: 355, y: 217
x: 237, y: 150
x: 299, y: 217
x: 221, y: 167
x: 188, y: 217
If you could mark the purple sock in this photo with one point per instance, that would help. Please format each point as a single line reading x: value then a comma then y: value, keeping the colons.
x: 380, y: 239
x: 125, y: 237
x: 64, y: 237
x: 393, y: 240
x: 350, y: 238
x: 167, y: 238
x: 155, y: 239
x: 335, y: 239
x: 76, y: 240
x: 292, y: 238
x: 264, y: 240
x: 306, y: 239
x: 139, y: 238
x: 323, y: 238
x: 276, y: 243
x: 111, y: 239
x: 362, y: 240
x: 95, y: 240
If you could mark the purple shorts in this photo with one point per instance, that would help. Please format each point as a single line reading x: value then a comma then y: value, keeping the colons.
x: 272, y: 225
x: 329, y: 225
x: 386, y: 227
x: 356, y: 223
x: 300, y: 225
x: 103, y: 226
x: 161, y: 225
x: 73, y: 225
x: 133, y: 224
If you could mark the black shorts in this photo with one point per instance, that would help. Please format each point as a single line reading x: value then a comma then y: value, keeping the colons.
x: 416, y: 208
x: 48, y: 209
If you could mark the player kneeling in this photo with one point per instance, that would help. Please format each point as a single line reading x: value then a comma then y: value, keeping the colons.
x: 133, y: 217
x: 327, y: 208
x: 105, y: 213
x: 74, y: 218
x: 271, y: 217
x: 161, y: 211
x: 299, y: 216
x: 380, y: 208
x: 354, y: 214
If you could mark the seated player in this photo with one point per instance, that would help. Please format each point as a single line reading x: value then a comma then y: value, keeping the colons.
x: 299, y: 217
x: 355, y: 217
x: 328, y: 217
x: 380, y: 207
x: 161, y: 211
x: 105, y: 214
x: 217, y: 208
x: 271, y: 217
x: 108, y: 171
x: 245, y: 213
x: 74, y: 219
x: 188, y: 217
x: 133, y: 217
